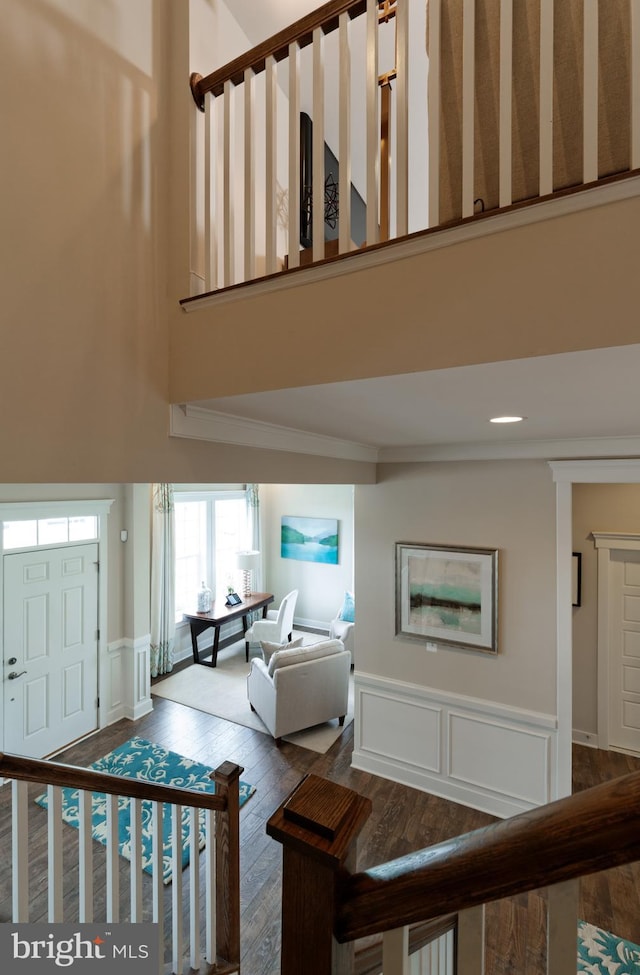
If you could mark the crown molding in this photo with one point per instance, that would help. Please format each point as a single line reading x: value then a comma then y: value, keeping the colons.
x: 628, y: 541
x: 516, y: 450
x: 607, y: 471
x: 566, y: 457
x: 197, y: 423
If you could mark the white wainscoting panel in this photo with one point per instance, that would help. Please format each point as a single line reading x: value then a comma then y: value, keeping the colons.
x: 401, y: 730
x: 112, y: 683
x: 125, y: 680
x: 483, y: 754
x: 139, y: 702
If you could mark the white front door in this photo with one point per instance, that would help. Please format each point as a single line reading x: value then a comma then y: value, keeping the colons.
x: 624, y: 651
x: 50, y: 666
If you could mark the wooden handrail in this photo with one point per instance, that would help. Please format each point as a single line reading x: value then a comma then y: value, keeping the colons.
x: 584, y: 833
x: 72, y: 776
x: 326, y: 17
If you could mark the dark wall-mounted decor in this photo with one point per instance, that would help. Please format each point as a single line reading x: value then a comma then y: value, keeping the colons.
x: 576, y: 578
x: 331, y: 200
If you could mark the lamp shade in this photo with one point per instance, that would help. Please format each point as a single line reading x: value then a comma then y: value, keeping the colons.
x: 247, y: 560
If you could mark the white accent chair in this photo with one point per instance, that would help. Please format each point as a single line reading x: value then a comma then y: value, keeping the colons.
x: 343, y: 630
x: 276, y: 627
x: 300, y: 687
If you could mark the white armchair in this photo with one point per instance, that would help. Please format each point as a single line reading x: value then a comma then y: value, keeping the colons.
x: 344, y: 629
x: 300, y: 687
x: 277, y: 626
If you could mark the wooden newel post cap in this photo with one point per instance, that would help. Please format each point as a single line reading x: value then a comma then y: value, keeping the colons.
x: 321, y: 819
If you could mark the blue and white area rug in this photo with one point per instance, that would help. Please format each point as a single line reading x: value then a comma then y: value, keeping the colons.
x: 602, y: 953
x: 141, y: 759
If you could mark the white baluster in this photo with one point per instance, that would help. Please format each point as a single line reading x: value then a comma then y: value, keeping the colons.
x: 344, y: 123
x: 402, y: 119
x: 210, y: 884
x: 135, y: 826
x: 317, y: 191
x: 373, y: 135
x: 156, y: 862
x: 468, y: 103
x: 249, y: 178
x: 562, y: 924
x: 113, y: 860
x: 20, y: 851
x: 433, y: 105
x: 194, y: 888
x: 590, y: 120
x: 635, y: 84
x: 195, y: 202
x: 54, y: 852
x: 506, y: 103
x: 546, y: 97
x: 294, y: 154
x: 85, y: 857
x: 471, y: 941
x: 210, y: 169
x: 228, y: 187
x: 395, y: 952
x: 176, y: 888
x: 271, y: 165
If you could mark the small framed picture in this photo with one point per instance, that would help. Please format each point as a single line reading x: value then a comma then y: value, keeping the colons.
x: 233, y: 599
x: 576, y: 578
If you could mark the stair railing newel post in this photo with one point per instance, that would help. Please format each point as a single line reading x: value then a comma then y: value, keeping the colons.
x: 318, y: 827
x: 227, y: 778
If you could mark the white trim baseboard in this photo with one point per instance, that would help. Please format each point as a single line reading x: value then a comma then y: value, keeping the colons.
x: 588, y: 738
x: 483, y: 754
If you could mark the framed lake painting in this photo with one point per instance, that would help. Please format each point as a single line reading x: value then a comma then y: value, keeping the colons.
x: 447, y: 595
x: 309, y: 539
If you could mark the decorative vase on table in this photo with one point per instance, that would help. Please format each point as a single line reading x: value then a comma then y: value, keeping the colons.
x: 205, y: 599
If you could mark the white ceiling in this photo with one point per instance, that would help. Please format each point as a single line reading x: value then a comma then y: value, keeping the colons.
x: 576, y: 396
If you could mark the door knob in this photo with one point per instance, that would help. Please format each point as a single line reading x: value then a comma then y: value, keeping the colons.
x: 13, y: 674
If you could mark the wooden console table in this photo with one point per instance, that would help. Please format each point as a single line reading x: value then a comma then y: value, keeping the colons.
x: 218, y: 615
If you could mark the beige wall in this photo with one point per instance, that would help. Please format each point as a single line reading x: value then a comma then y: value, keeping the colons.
x: 321, y: 587
x: 509, y: 506
x: 88, y: 265
x: 596, y: 507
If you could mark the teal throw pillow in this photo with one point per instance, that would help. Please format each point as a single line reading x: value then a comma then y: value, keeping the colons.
x: 348, y: 611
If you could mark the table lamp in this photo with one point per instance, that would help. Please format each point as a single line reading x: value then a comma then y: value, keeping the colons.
x: 247, y: 562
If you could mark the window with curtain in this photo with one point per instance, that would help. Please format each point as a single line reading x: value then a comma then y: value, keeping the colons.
x: 210, y: 528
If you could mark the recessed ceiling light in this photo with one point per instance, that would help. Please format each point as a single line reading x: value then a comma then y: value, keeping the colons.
x: 507, y: 419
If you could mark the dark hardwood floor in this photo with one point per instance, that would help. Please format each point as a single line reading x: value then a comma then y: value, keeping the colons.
x: 403, y: 820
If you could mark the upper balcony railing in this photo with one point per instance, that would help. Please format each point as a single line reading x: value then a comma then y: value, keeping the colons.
x: 404, y: 116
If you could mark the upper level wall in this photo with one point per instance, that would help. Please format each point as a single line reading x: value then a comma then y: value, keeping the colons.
x: 555, y: 285
x: 87, y: 258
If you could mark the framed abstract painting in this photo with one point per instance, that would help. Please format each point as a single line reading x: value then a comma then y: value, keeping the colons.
x: 447, y: 595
